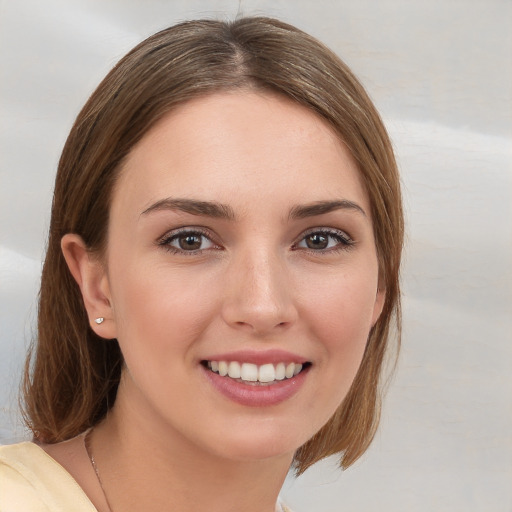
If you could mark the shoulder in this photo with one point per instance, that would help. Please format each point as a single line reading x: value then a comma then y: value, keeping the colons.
x: 31, y: 480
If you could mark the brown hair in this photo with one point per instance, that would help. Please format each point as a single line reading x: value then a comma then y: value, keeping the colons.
x: 72, y: 376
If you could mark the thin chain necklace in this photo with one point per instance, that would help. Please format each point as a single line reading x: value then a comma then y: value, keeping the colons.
x: 87, y: 444
x: 88, y: 449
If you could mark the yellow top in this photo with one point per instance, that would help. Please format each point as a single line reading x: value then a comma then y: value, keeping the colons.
x: 31, y: 481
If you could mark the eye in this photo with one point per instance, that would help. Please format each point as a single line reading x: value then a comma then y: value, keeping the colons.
x: 187, y: 241
x: 325, y: 240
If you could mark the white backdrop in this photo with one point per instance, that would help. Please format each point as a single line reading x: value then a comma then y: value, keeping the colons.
x: 441, y: 73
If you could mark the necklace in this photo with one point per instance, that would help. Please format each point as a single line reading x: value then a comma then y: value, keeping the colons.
x: 87, y: 444
x: 88, y: 449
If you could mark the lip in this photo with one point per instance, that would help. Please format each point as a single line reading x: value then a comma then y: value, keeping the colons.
x: 256, y: 395
x: 259, y: 358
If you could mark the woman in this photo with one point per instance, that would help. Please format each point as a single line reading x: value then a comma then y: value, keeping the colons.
x: 220, y: 280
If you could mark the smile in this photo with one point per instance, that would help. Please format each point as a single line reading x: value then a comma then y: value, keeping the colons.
x: 250, y: 373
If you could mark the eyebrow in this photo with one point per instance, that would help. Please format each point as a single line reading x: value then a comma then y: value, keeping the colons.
x: 194, y: 207
x: 223, y: 211
x: 322, y: 207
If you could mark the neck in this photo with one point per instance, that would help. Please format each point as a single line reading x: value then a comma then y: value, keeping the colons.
x: 148, y: 466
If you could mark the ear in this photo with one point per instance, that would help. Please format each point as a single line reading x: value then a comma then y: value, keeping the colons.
x: 91, y: 276
x: 380, y: 299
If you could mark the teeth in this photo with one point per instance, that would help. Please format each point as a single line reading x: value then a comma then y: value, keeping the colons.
x: 267, y: 373
x: 289, y: 370
x: 249, y: 372
x: 234, y: 370
x: 280, y: 371
x: 223, y: 368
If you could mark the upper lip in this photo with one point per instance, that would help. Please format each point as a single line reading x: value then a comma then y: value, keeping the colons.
x: 259, y: 357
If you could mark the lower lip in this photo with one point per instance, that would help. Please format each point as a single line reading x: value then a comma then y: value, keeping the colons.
x: 256, y: 395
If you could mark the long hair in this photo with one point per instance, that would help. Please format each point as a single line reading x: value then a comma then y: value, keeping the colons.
x: 72, y: 375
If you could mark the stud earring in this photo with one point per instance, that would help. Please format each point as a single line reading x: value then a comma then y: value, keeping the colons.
x: 99, y: 320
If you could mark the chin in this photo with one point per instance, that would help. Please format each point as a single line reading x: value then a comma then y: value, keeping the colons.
x: 261, y: 440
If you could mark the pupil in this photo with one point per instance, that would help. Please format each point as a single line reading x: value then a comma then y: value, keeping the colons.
x: 190, y: 242
x: 317, y: 241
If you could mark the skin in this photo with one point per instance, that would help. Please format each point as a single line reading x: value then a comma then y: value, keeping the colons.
x: 254, y: 283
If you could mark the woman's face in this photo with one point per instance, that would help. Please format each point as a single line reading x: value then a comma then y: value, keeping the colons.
x: 240, y: 241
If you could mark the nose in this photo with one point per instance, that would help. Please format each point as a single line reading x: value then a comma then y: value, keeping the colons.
x: 259, y: 295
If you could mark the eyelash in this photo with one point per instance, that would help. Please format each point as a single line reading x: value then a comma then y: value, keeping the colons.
x: 343, y: 241
x: 168, y: 238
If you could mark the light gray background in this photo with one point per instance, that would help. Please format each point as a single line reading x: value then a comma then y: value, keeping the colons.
x: 441, y: 73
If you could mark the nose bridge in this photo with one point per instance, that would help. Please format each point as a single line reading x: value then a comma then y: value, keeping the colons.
x: 259, y: 294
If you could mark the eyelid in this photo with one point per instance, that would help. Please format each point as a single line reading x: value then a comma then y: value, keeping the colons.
x: 164, y: 240
x: 346, y: 240
x: 324, y: 229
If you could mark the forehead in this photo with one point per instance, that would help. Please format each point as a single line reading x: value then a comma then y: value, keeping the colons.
x: 230, y: 146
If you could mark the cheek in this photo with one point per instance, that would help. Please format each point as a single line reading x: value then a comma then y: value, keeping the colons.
x: 338, y: 316
x: 160, y: 312
x: 341, y: 315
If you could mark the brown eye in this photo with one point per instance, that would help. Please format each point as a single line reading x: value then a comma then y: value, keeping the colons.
x: 316, y: 241
x: 325, y: 240
x: 187, y: 241
x: 190, y: 242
